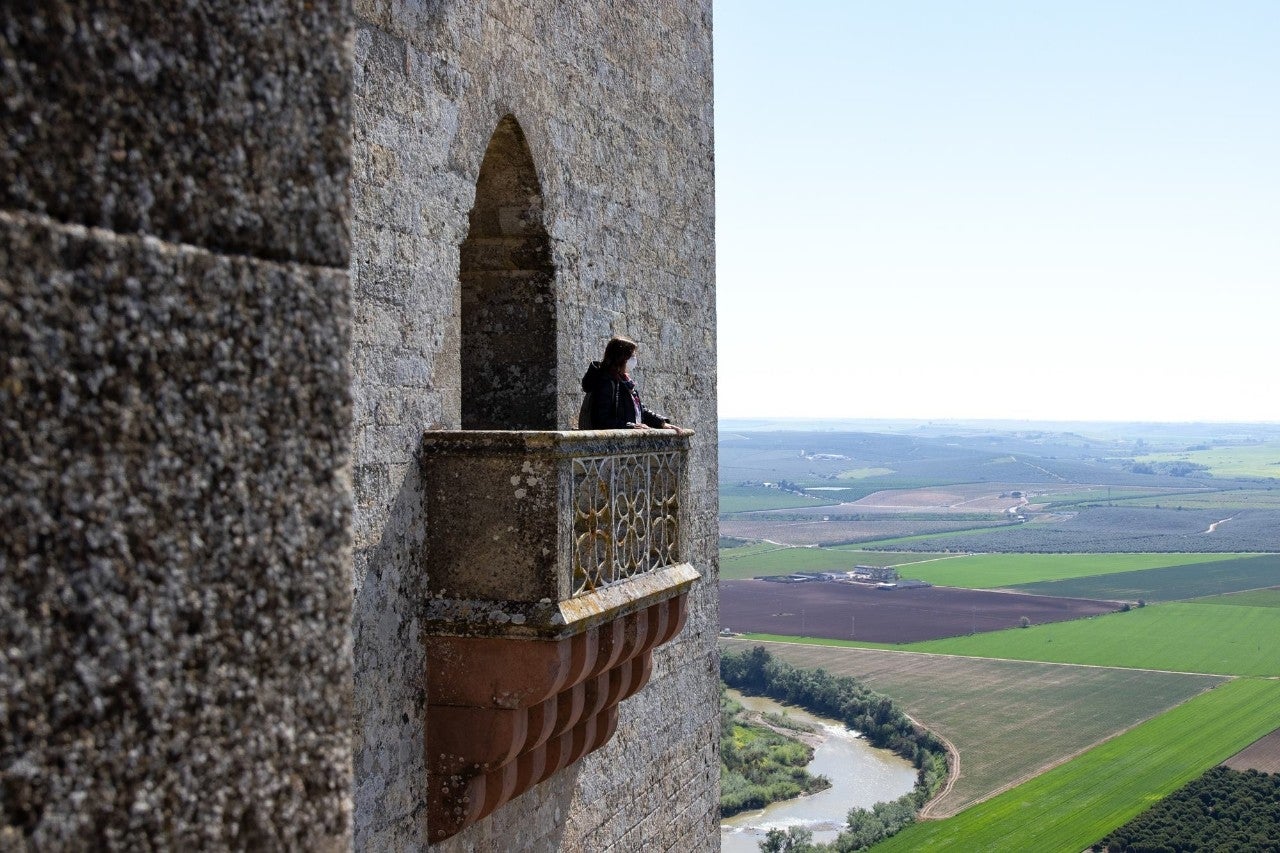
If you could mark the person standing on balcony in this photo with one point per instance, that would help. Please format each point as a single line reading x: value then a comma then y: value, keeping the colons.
x: 612, y: 401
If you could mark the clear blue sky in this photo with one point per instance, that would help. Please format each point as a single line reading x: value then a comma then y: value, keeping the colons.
x: 971, y: 209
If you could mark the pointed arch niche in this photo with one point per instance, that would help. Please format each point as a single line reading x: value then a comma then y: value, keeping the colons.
x: 555, y: 558
x: 508, y: 294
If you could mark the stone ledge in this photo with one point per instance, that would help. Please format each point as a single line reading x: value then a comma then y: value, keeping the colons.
x: 558, y: 444
x: 548, y: 619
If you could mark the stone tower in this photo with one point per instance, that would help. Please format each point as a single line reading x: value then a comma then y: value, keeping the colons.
x: 528, y: 179
x: 285, y: 284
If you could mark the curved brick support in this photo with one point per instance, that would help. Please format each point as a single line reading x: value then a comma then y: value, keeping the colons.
x: 507, y: 713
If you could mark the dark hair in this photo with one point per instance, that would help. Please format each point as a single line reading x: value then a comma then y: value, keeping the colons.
x: 616, y: 353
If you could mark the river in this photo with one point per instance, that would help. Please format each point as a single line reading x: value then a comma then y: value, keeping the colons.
x: 860, y: 775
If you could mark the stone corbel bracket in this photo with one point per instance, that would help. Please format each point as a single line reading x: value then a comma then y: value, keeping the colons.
x: 505, y: 714
x: 526, y: 668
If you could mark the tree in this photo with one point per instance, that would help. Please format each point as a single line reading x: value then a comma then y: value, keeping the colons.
x: 794, y: 840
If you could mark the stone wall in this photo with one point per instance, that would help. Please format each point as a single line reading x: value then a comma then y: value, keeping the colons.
x: 614, y: 101
x: 174, y: 426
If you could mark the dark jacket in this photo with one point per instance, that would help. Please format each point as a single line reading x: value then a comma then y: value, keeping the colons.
x: 611, y: 403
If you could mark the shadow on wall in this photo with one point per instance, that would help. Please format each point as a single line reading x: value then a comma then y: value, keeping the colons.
x: 390, y: 683
x: 535, y: 820
x: 391, y: 703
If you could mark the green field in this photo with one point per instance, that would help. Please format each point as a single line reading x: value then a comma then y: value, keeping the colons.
x: 818, y: 641
x: 1107, y: 494
x: 893, y: 540
x: 1206, y: 638
x: 996, y: 571
x: 864, y: 473
x: 1250, y: 460
x: 1252, y: 598
x: 1007, y: 719
x: 1233, y: 499
x: 1174, y: 583
x: 755, y: 498
x: 1076, y: 804
x: 753, y: 561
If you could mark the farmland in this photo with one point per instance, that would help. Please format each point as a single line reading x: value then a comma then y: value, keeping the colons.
x: 1252, y: 598
x: 1133, y: 496
x: 1236, y: 461
x: 1223, y: 809
x: 839, y: 610
x: 819, y: 532
x: 994, y: 571
x: 1075, y: 804
x: 1215, y: 500
x: 1171, y: 583
x: 1120, y: 529
x: 927, y: 456
x: 1006, y: 719
x: 1209, y: 638
x: 759, y: 560
x: 735, y: 499
x: 1179, y: 516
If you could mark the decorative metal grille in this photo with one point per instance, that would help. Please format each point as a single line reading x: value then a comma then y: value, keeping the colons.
x: 626, y: 517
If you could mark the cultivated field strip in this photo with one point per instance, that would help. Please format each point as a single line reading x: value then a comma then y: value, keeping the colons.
x: 819, y: 532
x: 1259, y: 460
x: 1009, y: 720
x: 1218, y: 500
x: 1118, y: 529
x: 1172, y: 583
x: 842, y: 611
x: 759, y: 560
x: 997, y: 571
x: 1213, y: 639
x: 1253, y: 598
x: 1077, y: 803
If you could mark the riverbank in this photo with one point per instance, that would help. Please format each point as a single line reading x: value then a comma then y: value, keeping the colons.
x: 860, y: 776
x: 762, y: 760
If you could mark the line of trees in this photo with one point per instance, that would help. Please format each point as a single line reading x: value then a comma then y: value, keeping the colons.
x: 860, y: 708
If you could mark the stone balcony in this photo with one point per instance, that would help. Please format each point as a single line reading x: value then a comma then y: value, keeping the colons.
x: 555, y: 568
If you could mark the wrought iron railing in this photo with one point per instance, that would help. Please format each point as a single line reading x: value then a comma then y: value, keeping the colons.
x: 626, y: 516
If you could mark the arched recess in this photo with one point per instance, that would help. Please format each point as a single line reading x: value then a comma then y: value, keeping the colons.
x: 508, y: 294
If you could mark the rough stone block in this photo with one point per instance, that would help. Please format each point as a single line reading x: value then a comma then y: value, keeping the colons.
x: 221, y: 124
x: 174, y: 590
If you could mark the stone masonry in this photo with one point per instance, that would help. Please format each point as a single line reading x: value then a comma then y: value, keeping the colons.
x: 230, y: 301
x: 175, y: 666
x: 614, y: 102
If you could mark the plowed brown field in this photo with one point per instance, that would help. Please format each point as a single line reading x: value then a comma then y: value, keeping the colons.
x: 844, y: 611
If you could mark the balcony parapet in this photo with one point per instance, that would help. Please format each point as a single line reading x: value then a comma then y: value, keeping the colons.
x: 547, y: 534
x: 555, y: 567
